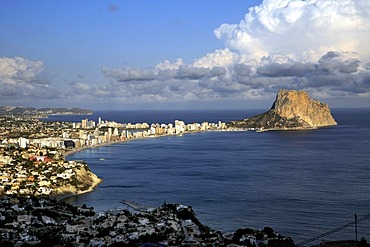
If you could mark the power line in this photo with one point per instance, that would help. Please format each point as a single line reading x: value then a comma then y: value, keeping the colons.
x: 334, y: 230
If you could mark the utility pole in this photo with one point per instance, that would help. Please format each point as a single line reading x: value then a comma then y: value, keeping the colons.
x: 356, y: 228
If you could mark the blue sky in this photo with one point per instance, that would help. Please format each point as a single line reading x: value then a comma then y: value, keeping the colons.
x: 185, y: 54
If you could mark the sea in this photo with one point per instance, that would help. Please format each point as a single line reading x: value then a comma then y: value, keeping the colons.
x: 303, y: 184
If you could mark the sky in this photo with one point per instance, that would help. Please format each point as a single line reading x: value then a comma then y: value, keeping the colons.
x: 183, y: 54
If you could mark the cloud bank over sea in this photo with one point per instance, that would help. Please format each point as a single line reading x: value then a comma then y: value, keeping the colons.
x: 320, y: 46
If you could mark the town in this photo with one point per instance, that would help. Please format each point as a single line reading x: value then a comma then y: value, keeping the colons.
x: 15, y: 130
x: 32, y: 221
x: 34, y: 174
x: 32, y: 152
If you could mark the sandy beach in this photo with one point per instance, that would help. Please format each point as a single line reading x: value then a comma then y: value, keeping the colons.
x: 75, y: 150
x: 69, y: 152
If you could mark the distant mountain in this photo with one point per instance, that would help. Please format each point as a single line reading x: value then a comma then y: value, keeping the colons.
x: 43, y: 112
x: 291, y: 110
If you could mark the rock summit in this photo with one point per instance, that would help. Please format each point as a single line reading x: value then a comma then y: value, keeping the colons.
x: 291, y: 110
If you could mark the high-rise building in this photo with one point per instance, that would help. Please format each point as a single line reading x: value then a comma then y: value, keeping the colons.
x: 91, y: 124
x: 179, y: 126
x: 23, y: 142
x: 115, y: 132
x: 84, y: 123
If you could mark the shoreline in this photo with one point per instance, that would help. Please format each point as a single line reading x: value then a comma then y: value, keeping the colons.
x: 96, y: 182
x: 70, y: 152
x: 76, y: 150
x: 99, y: 180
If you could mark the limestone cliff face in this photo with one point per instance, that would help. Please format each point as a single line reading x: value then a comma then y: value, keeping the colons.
x: 291, y: 110
x: 291, y: 104
x: 87, y: 181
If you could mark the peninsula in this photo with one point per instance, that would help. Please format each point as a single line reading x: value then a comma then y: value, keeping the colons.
x: 32, y: 112
x: 42, y: 172
x: 292, y: 110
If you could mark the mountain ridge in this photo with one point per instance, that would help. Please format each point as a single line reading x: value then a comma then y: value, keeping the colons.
x: 43, y: 112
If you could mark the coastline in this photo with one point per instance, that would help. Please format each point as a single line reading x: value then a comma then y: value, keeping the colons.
x: 96, y: 179
x: 76, y: 150
x: 66, y: 192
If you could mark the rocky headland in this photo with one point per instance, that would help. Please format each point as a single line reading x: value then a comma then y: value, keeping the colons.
x: 43, y: 172
x: 292, y: 110
x: 85, y: 181
x: 40, y: 113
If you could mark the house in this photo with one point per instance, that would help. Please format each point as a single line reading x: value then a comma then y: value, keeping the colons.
x: 25, y: 191
x: 47, y: 220
x: 68, y: 236
x: 64, y: 175
x: 27, y: 219
x: 44, y: 190
x: 143, y: 221
x: 75, y: 228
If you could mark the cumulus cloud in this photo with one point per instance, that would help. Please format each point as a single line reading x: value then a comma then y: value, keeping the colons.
x: 197, y: 73
x: 129, y: 74
x: 167, y: 65
x: 20, y: 77
x: 219, y: 58
x: 315, y: 45
x: 302, y: 29
x: 332, y: 61
x: 18, y: 69
x: 332, y: 74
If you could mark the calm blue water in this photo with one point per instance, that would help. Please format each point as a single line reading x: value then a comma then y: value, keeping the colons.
x: 300, y: 183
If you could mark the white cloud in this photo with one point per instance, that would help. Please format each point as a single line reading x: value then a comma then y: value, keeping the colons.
x: 129, y: 74
x: 301, y: 29
x: 20, y: 77
x: 19, y: 70
x: 316, y: 45
x: 219, y: 58
x: 333, y: 74
x: 167, y: 65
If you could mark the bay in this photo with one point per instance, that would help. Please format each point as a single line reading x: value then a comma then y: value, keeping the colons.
x: 300, y: 183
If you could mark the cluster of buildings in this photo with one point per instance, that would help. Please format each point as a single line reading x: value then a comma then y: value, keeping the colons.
x: 92, y: 134
x: 36, y: 171
x: 31, y: 159
x: 88, y: 133
x: 44, y: 222
x: 24, y: 132
x: 32, y: 164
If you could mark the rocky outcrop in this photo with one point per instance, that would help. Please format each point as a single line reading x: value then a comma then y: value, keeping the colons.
x: 291, y: 110
x: 291, y: 104
x: 85, y: 182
